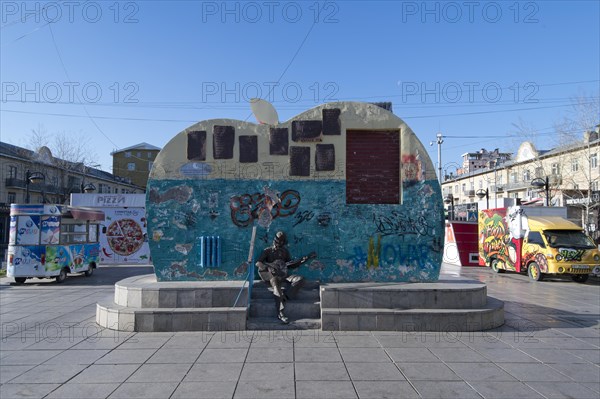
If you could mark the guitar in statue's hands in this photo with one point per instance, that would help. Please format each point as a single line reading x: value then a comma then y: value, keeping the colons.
x: 279, y: 268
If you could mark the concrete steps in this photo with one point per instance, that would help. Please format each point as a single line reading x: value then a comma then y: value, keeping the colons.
x: 304, y: 311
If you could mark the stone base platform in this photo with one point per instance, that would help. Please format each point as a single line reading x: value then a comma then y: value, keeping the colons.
x: 143, y: 304
x: 451, y: 304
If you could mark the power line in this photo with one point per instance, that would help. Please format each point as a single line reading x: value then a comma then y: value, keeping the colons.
x: 194, y: 121
x: 244, y: 105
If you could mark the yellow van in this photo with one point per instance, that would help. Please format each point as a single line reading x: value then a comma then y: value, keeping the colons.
x: 538, y: 245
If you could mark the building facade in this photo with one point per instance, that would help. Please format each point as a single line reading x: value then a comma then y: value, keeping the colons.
x: 482, y: 159
x: 47, y: 179
x: 135, y: 162
x: 567, y: 175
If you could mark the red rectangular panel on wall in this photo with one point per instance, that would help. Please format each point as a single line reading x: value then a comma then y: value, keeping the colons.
x: 372, y: 167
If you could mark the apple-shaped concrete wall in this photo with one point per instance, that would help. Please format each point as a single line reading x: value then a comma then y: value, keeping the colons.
x: 349, y: 181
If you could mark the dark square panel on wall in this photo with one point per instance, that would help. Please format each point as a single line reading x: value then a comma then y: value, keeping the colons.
x: 248, y: 149
x: 223, y: 140
x: 331, y: 122
x: 196, y: 145
x: 299, y: 161
x: 307, y: 131
x: 325, y: 157
x: 278, y: 141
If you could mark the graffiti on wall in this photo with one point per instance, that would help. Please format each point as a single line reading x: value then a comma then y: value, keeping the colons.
x: 401, y: 223
x: 264, y: 208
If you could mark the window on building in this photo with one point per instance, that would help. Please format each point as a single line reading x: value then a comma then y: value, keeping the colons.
x: 513, y: 177
x: 127, y: 154
x: 149, y: 154
x: 594, y: 185
x: 456, y: 189
x: 139, y: 154
x: 574, y: 165
x: 526, y: 175
x: 594, y: 160
x: 131, y: 166
x: 12, y: 172
x: 11, y: 197
x: 539, y: 172
x: 116, y: 190
x: 556, y: 169
x: 464, y: 187
x: 150, y: 163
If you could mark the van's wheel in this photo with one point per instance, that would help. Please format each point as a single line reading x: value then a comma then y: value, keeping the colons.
x: 62, y: 276
x: 534, y: 272
x: 20, y: 280
x: 580, y: 278
x: 495, y: 267
x: 90, y: 269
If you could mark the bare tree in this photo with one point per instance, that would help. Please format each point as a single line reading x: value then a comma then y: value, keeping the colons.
x: 580, y: 130
x: 38, y: 138
x: 68, y: 149
x: 71, y: 152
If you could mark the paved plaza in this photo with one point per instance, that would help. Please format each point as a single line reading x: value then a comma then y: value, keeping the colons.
x: 51, y: 347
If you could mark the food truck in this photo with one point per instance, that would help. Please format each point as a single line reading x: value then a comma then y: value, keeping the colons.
x: 510, y: 240
x: 50, y: 241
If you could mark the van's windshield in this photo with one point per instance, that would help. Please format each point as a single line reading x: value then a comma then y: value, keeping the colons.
x: 568, y: 238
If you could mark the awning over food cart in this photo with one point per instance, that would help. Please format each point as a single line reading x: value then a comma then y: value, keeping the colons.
x: 85, y: 213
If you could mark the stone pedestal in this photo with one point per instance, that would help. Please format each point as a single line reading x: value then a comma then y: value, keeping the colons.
x: 450, y: 304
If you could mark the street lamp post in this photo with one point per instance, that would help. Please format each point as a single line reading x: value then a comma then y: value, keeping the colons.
x: 32, y: 177
x: 450, y: 200
x: 439, y: 141
x: 87, y: 188
x: 542, y: 183
x: 481, y: 193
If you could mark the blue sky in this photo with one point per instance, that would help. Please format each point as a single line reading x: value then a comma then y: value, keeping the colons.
x: 120, y: 73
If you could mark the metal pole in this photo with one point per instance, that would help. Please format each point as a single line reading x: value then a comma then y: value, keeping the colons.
x: 27, y: 187
x: 547, y: 192
x: 495, y: 187
x: 439, y: 143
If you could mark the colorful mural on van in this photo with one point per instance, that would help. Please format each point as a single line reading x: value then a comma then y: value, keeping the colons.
x: 349, y: 181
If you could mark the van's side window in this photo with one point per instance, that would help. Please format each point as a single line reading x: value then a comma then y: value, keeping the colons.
x: 535, y: 237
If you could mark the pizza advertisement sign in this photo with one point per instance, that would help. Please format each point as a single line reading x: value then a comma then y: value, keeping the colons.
x: 125, y: 237
x: 123, y: 233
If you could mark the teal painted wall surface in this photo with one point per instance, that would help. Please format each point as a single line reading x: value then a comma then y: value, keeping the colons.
x: 353, y: 242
